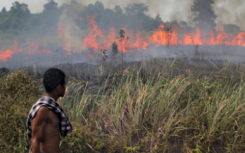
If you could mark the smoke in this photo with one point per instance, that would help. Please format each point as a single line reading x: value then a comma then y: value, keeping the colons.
x: 168, y: 10
x: 228, y: 11
x: 34, y: 6
x: 72, y: 37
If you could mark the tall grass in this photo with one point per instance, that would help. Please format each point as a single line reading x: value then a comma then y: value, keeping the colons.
x: 171, y: 107
x: 193, y: 113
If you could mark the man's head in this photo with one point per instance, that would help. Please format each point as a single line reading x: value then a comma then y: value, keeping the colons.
x: 54, y: 81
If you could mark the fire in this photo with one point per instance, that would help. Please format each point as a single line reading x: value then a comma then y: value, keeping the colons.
x: 95, y: 40
x: 33, y: 49
x: 68, y: 53
x: 95, y: 36
x: 4, y: 56
x: 161, y: 37
x: 90, y: 55
x: 65, y: 40
x: 15, y: 49
x: 239, y: 39
x: 187, y: 39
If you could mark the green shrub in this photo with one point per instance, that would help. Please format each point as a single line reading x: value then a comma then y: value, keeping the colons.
x: 18, y: 92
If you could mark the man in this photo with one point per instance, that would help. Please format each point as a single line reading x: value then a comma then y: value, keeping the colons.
x: 46, y: 120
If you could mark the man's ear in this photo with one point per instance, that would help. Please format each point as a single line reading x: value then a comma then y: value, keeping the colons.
x: 59, y: 87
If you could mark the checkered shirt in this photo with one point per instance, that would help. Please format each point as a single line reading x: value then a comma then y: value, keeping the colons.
x: 64, y: 123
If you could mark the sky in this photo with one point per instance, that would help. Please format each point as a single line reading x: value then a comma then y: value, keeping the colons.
x: 228, y: 11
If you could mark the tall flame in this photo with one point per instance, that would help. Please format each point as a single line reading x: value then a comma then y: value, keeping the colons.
x: 97, y: 40
x: 6, y: 54
x: 95, y: 36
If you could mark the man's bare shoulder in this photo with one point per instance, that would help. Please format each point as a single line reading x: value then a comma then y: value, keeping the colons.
x: 43, y: 111
x: 42, y: 114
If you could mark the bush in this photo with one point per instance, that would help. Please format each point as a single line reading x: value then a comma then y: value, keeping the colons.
x: 18, y: 92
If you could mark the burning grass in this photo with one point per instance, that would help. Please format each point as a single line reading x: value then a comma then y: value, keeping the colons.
x: 154, y: 110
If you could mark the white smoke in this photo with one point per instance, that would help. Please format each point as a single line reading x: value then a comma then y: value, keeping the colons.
x: 228, y: 11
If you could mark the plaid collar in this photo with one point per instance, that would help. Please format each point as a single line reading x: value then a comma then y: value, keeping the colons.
x: 64, y: 123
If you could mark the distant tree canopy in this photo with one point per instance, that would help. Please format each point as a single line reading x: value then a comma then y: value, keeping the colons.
x: 232, y: 29
x: 137, y: 18
x: 136, y: 9
x: 204, y: 14
x: 133, y: 16
x: 50, y: 6
x: 18, y: 20
x: 50, y: 15
x: 3, y: 10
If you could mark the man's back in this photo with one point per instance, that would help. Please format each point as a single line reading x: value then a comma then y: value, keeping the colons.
x: 45, y: 127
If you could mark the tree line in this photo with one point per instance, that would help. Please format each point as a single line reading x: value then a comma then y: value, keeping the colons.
x: 19, y: 20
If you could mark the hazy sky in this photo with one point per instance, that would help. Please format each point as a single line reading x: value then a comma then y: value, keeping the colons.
x: 228, y: 11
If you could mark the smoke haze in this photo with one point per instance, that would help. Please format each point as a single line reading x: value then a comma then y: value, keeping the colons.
x: 228, y: 11
x: 59, y: 35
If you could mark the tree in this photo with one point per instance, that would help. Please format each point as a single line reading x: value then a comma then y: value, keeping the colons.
x: 136, y: 17
x: 50, y: 15
x: 98, y: 5
x: 136, y: 9
x: 158, y: 18
x: 96, y: 8
x: 204, y: 14
x: 118, y: 10
x: 184, y: 27
x: 3, y: 10
x: 50, y: 6
x: 74, y: 2
x: 17, y: 18
x: 232, y: 29
x: 157, y: 21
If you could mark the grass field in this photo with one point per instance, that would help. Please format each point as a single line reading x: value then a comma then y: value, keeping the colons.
x: 152, y: 106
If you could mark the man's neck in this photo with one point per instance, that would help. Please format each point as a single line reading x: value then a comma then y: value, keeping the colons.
x: 55, y: 97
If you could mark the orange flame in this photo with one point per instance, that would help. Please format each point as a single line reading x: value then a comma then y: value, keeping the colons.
x: 160, y: 37
x: 94, y: 34
x: 68, y: 53
x: 33, y: 49
x: 6, y: 55
x: 97, y: 40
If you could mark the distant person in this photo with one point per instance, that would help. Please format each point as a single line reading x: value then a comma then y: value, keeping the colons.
x: 46, y: 120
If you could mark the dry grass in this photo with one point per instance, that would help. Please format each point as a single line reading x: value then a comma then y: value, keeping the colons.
x: 152, y: 107
x: 193, y: 113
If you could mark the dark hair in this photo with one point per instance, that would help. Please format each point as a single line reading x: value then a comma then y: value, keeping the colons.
x: 52, y: 78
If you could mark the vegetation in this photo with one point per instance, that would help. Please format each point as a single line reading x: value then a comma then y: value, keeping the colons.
x: 161, y: 107
x: 204, y: 18
x: 154, y: 106
x: 20, y: 24
x: 18, y: 91
x: 183, y: 113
